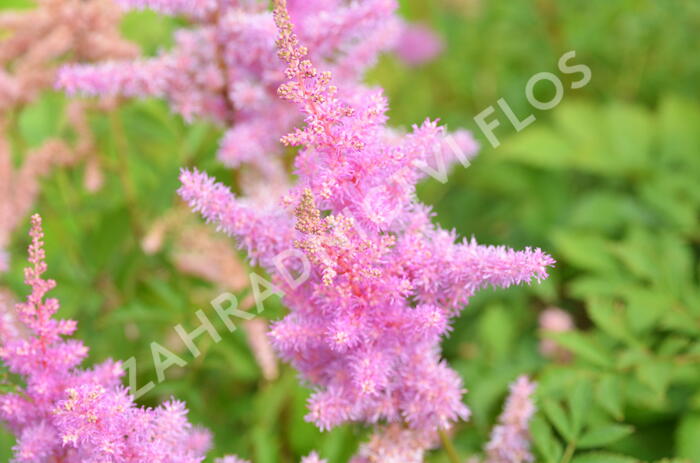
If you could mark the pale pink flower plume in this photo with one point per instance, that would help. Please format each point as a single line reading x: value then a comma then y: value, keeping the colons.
x: 510, y: 439
x: 418, y: 44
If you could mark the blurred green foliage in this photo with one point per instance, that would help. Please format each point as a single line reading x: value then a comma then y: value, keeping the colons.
x: 607, y: 182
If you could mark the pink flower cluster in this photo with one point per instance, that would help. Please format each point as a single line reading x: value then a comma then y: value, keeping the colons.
x: 72, y: 415
x: 383, y: 281
x: 225, y: 68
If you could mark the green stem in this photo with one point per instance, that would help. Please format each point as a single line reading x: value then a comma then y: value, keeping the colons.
x: 123, y: 170
x: 569, y: 452
x: 20, y: 144
x: 449, y: 447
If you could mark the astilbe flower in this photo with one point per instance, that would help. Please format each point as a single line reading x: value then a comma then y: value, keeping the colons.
x: 510, y: 439
x: 384, y: 282
x: 72, y: 415
x: 224, y: 69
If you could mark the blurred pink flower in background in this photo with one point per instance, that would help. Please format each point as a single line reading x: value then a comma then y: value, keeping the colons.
x: 555, y: 320
x: 418, y: 44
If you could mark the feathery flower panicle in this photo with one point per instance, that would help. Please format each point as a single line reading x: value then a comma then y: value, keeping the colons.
x: 510, y: 439
x: 224, y: 68
x: 72, y: 415
x: 384, y: 282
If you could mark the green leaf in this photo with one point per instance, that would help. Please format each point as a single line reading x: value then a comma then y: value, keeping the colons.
x: 630, y: 132
x: 678, y: 120
x: 496, y: 331
x: 644, y: 307
x: 583, y: 346
x: 579, y: 406
x: 598, y: 285
x: 540, y: 146
x: 604, y: 435
x: 639, y: 254
x: 265, y: 445
x: 688, y: 437
x: 585, y: 250
x: 558, y: 417
x: 605, y: 211
x: 610, y: 319
x: 656, y: 374
x: 603, y: 457
x: 609, y: 394
x: 40, y: 121
x: 675, y: 270
x: 677, y: 319
x: 673, y: 345
x: 545, y: 442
